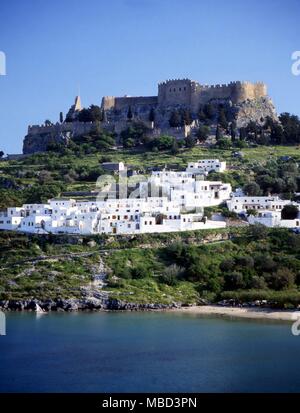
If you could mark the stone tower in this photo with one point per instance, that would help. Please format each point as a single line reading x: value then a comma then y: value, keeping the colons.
x: 74, y: 110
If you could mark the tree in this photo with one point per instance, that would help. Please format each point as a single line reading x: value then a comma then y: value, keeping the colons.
x: 252, y: 212
x: 277, y: 134
x: 190, y: 142
x: 209, y: 111
x: 129, y: 113
x: 61, y: 117
x: 258, y: 232
x: 201, y: 115
x: 96, y: 113
x: 135, y: 135
x: 233, y: 131
x: 91, y: 114
x: 175, y: 119
x: 243, y: 133
x: 45, y: 177
x: 172, y: 274
x: 245, y: 261
x: 258, y: 283
x: 223, y: 143
x: 282, y: 279
x: 218, y: 133
x: 103, y: 116
x: 222, y: 119
x: 291, y: 127
x: 1, y: 154
x: 234, y: 281
x: 140, y: 271
x: 48, y: 122
x: 186, y: 117
x: 164, y: 142
x: 289, y: 212
x: 175, y: 147
x: 151, y: 115
x: 227, y: 265
x: 203, y: 133
x: 252, y: 189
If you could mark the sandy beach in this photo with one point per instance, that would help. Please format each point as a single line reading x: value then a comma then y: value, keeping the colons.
x: 254, y: 313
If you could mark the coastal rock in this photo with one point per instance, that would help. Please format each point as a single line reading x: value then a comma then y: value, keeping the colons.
x: 88, y: 303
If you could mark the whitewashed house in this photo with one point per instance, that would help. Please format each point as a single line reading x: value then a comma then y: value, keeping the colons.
x: 266, y: 210
x: 175, y: 203
x: 204, y: 166
x: 114, y: 216
x: 273, y: 219
x: 241, y: 204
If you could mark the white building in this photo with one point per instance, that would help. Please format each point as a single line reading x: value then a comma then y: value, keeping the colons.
x: 204, y: 166
x: 267, y: 210
x: 186, y: 189
x: 241, y: 204
x: 273, y: 219
x: 114, y: 216
x: 175, y: 203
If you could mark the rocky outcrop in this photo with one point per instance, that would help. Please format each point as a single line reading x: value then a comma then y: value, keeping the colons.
x: 87, y: 304
x: 40, y: 142
x: 40, y: 137
x: 255, y: 110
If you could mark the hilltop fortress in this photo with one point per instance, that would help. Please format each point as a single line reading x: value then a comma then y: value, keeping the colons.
x: 189, y: 93
x: 244, y: 102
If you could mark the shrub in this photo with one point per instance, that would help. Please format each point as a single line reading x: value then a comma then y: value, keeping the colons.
x: 282, y: 279
x: 140, y: 271
x: 289, y: 212
x: 234, y: 281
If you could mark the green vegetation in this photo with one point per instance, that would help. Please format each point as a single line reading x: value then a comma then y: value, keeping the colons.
x: 257, y: 264
x: 45, y: 268
x: 243, y: 264
x: 42, y: 176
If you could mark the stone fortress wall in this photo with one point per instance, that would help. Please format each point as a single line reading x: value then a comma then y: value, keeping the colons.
x: 78, y: 128
x: 121, y: 103
x: 250, y: 101
x: 189, y: 93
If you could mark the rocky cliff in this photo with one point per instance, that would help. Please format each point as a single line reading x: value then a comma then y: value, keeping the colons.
x: 254, y: 110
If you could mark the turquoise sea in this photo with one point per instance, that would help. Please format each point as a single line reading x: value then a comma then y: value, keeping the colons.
x: 146, y: 352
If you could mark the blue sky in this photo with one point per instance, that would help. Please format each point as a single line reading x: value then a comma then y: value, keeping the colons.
x: 122, y: 47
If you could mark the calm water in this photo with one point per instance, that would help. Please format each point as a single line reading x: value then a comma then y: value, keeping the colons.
x: 146, y: 352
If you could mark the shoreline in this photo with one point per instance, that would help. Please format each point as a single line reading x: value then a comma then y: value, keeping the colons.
x: 241, y: 312
x: 255, y: 313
